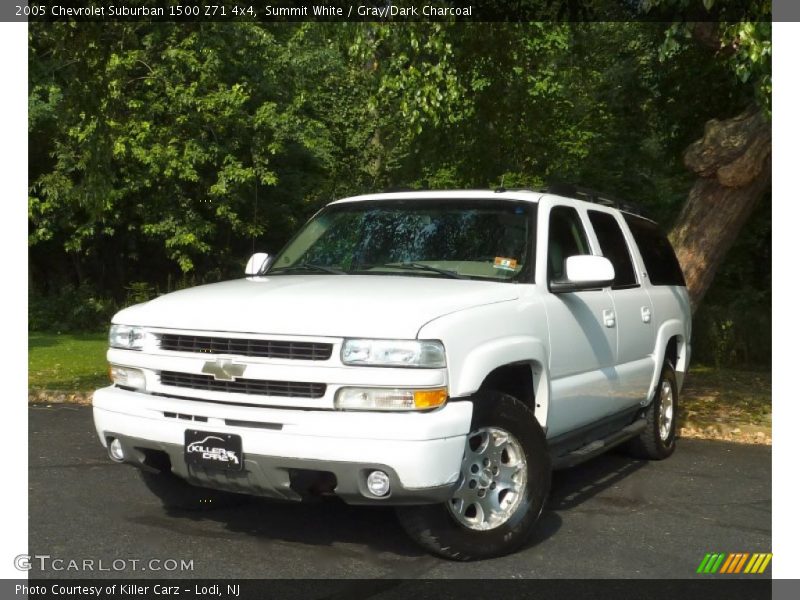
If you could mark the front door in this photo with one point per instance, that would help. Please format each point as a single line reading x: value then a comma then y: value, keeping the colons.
x: 583, y: 334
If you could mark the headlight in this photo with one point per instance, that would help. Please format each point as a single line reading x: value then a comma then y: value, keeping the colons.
x: 127, y: 377
x: 394, y: 353
x: 124, y: 336
x: 358, y: 398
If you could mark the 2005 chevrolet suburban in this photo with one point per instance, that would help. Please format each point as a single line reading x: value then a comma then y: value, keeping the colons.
x: 440, y: 352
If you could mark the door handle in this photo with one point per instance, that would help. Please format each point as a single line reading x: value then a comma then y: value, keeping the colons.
x: 645, y: 314
x: 609, y: 319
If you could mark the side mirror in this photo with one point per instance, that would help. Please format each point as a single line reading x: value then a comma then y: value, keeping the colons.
x: 584, y: 272
x: 257, y: 264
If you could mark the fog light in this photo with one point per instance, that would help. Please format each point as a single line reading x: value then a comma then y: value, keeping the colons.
x: 115, y: 450
x: 378, y: 483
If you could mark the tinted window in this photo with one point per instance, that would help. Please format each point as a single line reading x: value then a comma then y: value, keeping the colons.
x: 614, y: 247
x: 567, y: 238
x: 659, y: 257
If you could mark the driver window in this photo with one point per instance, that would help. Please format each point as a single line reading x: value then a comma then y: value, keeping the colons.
x: 567, y: 238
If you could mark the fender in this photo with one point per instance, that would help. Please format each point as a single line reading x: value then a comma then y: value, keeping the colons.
x: 668, y: 330
x: 485, y: 358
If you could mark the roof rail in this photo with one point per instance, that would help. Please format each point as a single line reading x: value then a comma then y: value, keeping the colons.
x: 501, y: 190
x: 589, y: 195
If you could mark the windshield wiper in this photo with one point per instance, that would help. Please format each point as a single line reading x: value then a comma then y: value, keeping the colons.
x: 308, y: 267
x: 423, y: 267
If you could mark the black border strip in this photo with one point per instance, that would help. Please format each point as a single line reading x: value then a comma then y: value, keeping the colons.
x: 709, y: 588
x: 397, y: 11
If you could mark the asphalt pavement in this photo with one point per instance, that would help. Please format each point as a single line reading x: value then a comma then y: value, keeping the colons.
x: 613, y: 517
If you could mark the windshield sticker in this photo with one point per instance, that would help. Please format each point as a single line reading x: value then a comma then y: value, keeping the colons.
x: 507, y: 264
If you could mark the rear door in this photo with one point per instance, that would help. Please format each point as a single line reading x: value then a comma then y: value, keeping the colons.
x: 633, y: 311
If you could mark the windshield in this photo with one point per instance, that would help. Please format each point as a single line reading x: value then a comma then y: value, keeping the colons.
x: 465, y: 239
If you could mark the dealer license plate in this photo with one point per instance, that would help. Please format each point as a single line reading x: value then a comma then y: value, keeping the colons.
x: 213, y: 450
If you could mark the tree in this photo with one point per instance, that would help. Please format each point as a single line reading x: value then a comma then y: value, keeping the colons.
x: 732, y: 161
x: 163, y: 152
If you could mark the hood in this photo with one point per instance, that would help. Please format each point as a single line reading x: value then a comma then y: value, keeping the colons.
x: 376, y: 306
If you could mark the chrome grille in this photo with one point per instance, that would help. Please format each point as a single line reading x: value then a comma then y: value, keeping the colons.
x: 245, y: 347
x: 260, y: 387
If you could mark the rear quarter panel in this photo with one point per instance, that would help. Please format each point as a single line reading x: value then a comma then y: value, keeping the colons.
x: 673, y: 315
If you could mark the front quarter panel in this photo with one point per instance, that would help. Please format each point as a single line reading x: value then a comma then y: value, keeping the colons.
x: 479, y: 340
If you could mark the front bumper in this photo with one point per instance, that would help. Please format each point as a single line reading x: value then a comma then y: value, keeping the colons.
x: 421, y: 452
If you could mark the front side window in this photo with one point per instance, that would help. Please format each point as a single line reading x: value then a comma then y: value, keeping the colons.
x: 567, y: 238
x: 469, y: 239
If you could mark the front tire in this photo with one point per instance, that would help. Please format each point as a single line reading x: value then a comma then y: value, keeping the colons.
x: 657, y: 441
x: 502, y: 487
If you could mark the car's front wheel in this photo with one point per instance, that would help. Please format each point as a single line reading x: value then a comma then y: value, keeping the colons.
x: 502, y: 487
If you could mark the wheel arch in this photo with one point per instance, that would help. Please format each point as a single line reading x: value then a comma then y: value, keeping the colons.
x: 515, y: 365
x: 671, y: 344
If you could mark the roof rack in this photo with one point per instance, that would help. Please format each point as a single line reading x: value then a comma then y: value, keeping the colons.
x: 589, y: 195
x: 502, y: 189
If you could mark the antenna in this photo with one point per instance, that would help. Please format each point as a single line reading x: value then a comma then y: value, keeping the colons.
x: 502, y: 188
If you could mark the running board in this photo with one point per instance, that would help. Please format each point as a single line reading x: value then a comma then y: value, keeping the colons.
x: 598, y: 446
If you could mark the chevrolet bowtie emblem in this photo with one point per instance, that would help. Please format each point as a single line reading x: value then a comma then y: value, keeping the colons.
x: 224, y: 369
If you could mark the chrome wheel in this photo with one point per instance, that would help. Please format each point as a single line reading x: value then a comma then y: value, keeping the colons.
x: 666, y: 411
x: 492, y: 481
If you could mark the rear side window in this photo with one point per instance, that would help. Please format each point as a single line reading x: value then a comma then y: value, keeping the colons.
x: 567, y: 238
x: 614, y: 248
x: 659, y: 257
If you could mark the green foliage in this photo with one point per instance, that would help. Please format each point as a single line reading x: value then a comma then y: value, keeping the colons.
x: 139, y: 291
x: 744, y: 46
x: 164, y: 154
x: 734, y: 323
x: 73, y: 308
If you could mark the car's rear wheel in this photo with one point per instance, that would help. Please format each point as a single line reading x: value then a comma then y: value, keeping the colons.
x: 502, y: 486
x: 175, y: 492
x: 657, y: 441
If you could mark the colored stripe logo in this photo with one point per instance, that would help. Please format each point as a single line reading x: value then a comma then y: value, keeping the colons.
x: 734, y: 563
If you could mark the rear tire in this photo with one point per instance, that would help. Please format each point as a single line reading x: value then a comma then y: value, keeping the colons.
x: 175, y: 492
x: 503, y: 485
x: 657, y: 441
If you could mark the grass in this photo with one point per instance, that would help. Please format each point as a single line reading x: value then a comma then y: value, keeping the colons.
x: 67, y: 362
x: 727, y: 395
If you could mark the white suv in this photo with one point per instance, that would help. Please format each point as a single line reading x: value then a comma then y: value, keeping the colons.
x: 440, y: 352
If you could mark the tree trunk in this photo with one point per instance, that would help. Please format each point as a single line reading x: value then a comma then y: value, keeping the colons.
x: 733, y: 162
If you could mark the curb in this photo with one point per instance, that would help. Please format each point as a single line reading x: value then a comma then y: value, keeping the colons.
x: 59, y: 397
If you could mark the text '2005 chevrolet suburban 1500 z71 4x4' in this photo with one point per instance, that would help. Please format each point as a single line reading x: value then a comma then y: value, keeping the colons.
x: 440, y: 352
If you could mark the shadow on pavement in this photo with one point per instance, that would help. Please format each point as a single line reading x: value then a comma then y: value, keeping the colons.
x: 321, y: 523
x: 330, y: 522
x: 572, y: 487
